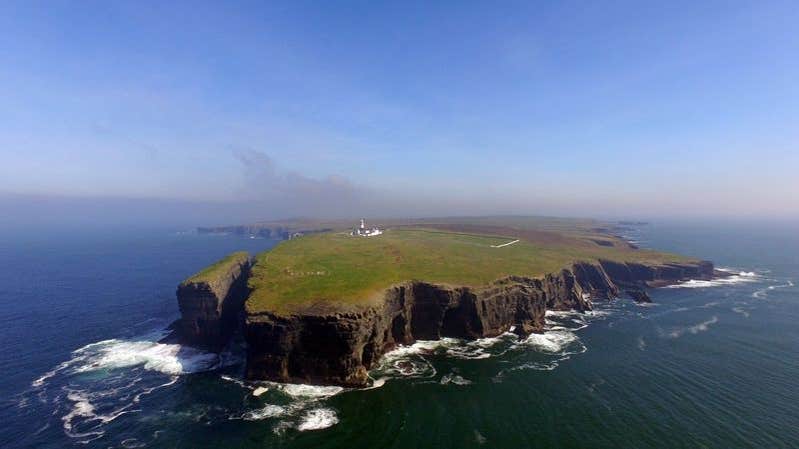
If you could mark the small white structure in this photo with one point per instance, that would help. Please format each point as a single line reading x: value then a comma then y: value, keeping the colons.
x: 363, y: 231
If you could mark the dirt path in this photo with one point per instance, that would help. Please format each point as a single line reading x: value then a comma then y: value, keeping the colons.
x: 505, y: 244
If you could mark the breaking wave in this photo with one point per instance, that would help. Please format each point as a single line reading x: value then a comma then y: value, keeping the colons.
x: 557, y: 343
x: 295, y: 406
x: 105, y: 380
x: 736, y: 277
x: 319, y: 418
x: 145, y: 351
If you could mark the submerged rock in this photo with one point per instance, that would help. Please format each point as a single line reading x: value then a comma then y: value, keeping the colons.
x: 639, y: 296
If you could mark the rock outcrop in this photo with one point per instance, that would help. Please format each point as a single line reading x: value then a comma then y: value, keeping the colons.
x: 633, y: 274
x: 211, y: 306
x: 339, y: 348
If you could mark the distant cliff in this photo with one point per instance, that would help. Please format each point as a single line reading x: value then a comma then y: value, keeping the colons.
x: 268, y: 231
x: 339, y: 348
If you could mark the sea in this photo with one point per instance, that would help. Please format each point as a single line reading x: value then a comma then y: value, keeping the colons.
x: 709, y: 364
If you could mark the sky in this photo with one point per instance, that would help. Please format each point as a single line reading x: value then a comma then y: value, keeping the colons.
x: 229, y: 112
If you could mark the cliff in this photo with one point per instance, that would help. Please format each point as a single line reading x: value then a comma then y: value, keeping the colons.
x: 340, y: 347
x: 211, y: 302
x: 268, y: 231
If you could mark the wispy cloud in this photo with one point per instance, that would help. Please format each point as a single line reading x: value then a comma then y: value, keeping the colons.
x: 265, y: 181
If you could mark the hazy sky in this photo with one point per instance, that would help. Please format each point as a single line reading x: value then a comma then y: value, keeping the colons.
x: 245, y: 111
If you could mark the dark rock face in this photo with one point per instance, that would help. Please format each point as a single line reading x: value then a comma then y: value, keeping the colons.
x: 631, y: 274
x: 212, y: 311
x: 340, y: 348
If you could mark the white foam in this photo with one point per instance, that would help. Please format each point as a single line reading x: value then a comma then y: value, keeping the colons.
x: 695, y: 329
x: 153, y: 356
x: 552, y: 341
x: 80, y: 407
x: 741, y: 311
x: 737, y: 277
x: 318, y: 418
x: 268, y: 411
x: 96, y: 399
x: 762, y: 293
x: 43, y: 378
x: 85, y: 411
x: 561, y: 313
x: 308, y: 391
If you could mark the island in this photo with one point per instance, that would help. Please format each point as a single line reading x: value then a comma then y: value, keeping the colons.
x: 325, y: 304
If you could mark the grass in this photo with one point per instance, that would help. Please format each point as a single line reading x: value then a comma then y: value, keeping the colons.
x: 336, y: 268
x: 220, y: 268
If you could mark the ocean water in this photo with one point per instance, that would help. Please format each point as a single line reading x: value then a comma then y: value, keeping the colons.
x: 709, y: 364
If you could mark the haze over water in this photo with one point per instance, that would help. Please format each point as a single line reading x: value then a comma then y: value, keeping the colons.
x: 710, y: 364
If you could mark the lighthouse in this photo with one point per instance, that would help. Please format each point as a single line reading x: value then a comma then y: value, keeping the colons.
x: 363, y: 231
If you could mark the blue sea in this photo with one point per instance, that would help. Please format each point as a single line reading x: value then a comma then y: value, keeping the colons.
x: 711, y: 364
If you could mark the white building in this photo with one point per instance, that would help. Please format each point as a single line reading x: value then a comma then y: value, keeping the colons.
x: 363, y: 231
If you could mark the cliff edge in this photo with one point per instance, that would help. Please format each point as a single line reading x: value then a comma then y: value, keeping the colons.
x: 211, y: 302
x: 339, y: 348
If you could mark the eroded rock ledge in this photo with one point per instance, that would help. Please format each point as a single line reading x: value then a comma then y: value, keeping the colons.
x: 339, y: 348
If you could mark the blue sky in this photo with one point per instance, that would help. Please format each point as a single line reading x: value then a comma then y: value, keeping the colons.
x: 327, y: 108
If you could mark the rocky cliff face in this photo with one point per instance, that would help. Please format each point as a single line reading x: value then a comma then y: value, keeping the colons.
x: 212, y: 310
x: 641, y: 275
x: 340, y: 348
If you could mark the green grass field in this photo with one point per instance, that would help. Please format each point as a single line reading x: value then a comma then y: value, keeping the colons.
x: 338, y: 269
x: 212, y: 272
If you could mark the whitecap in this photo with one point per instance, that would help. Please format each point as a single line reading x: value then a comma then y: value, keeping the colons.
x: 736, y: 277
x: 307, y: 391
x: 551, y: 341
x: 695, y: 329
x: 318, y: 418
x: 268, y: 411
x: 763, y: 293
x: 153, y: 356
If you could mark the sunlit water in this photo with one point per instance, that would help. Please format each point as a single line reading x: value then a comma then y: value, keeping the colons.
x: 711, y: 364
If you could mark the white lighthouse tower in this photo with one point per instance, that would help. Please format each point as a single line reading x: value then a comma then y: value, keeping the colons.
x: 363, y: 231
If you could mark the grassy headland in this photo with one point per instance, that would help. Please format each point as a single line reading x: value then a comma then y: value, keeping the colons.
x: 219, y: 268
x: 335, y: 268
